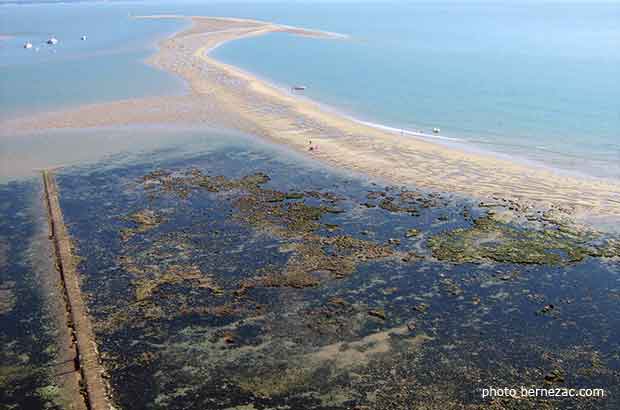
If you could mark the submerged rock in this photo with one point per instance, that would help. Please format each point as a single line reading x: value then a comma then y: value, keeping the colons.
x: 378, y: 313
x: 143, y: 220
x: 146, y: 287
x: 555, y: 376
x: 411, y: 233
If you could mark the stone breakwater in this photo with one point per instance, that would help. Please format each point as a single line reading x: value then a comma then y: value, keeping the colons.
x: 87, y: 356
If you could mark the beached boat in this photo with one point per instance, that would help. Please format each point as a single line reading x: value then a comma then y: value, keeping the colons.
x: 28, y: 44
x: 298, y: 88
x: 52, y: 41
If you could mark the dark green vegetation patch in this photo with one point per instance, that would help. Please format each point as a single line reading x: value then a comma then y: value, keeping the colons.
x: 491, y: 240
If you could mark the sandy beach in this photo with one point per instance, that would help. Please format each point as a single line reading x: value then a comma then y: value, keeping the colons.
x: 221, y: 95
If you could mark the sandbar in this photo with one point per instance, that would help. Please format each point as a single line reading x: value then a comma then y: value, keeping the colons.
x: 223, y: 95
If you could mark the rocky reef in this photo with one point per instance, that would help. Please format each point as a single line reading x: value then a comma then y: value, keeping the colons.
x: 244, y: 292
x: 494, y: 240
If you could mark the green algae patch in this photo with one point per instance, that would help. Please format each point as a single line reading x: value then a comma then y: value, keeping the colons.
x: 326, y: 370
x: 10, y: 374
x: 175, y: 274
x: 284, y: 215
x: 143, y: 220
x: 277, y: 383
x: 293, y: 279
x: 412, y: 233
x: 319, y: 257
x: 7, y: 295
x: 492, y: 240
x: 49, y: 393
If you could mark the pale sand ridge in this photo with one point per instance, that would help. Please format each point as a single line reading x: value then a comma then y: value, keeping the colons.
x: 224, y: 95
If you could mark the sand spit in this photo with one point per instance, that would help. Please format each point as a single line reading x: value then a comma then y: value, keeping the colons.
x: 225, y: 96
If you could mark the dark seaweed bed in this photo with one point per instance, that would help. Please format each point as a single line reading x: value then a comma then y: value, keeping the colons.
x: 199, y: 303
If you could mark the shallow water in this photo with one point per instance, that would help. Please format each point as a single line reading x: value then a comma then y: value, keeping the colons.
x: 28, y: 350
x: 23, y: 155
x: 202, y: 296
x: 532, y: 80
x: 107, y: 66
x: 529, y: 79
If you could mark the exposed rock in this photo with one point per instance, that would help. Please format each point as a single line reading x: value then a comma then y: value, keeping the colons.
x: 380, y: 314
x: 555, y: 376
x: 411, y: 233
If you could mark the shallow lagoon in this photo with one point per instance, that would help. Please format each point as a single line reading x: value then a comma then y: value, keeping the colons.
x: 282, y: 284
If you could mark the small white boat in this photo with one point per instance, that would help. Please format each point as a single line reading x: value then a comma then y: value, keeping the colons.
x: 28, y: 44
x: 52, y: 41
x: 83, y: 38
x: 436, y: 130
x: 298, y: 88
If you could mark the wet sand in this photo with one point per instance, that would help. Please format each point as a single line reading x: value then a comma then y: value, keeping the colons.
x: 222, y: 95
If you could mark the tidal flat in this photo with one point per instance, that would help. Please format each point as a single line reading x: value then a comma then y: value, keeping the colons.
x: 238, y: 278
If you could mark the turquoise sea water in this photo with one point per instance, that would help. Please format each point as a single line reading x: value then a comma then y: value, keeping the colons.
x: 536, y: 80
x: 107, y: 66
x: 531, y: 80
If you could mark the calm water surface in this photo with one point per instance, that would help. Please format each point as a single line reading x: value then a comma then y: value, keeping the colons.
x: 531, y: 80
